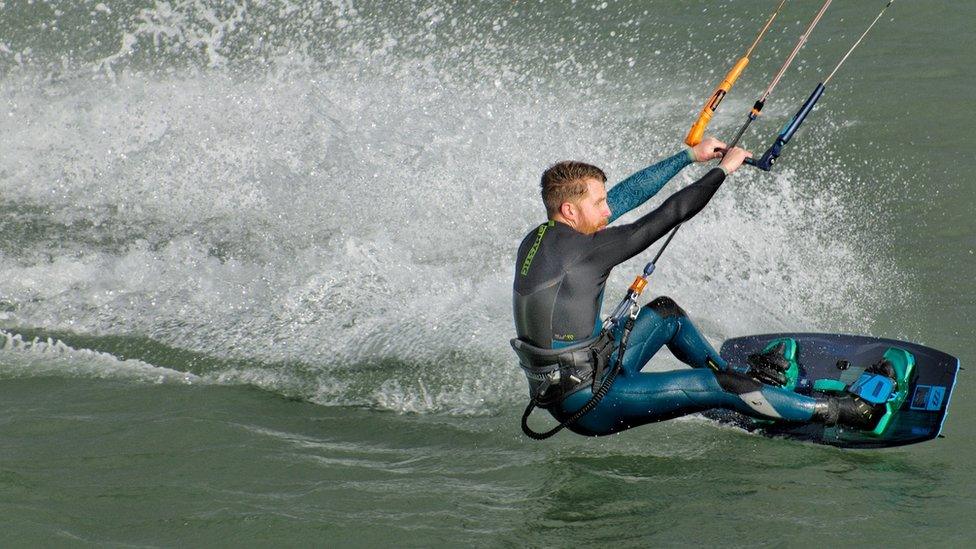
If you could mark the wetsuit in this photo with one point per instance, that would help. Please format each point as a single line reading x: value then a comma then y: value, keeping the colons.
x: 560, y: 277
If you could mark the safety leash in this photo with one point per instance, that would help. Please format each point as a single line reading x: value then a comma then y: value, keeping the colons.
x: 593, y: 401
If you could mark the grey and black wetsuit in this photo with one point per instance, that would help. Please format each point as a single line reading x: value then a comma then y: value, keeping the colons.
x: 562, y: 273
x: 560, y: 277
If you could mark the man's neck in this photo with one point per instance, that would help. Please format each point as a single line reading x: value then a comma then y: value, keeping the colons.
x: 560, y: 219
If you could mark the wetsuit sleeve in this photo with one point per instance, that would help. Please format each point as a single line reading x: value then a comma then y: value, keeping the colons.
x: 615, y: 245
x: 636, y: 189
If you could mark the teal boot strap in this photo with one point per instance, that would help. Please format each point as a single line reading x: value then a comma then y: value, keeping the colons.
x: 904, y: 365
x: 789, y: 353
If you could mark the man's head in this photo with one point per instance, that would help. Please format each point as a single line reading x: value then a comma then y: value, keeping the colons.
x: 574, y: 194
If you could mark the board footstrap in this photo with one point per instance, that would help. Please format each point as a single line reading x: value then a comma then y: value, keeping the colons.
x: 904, y: 364
x: 877, y: 388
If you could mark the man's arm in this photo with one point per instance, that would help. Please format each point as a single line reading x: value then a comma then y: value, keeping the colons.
x: 615, y: 245
x: 636, y: 189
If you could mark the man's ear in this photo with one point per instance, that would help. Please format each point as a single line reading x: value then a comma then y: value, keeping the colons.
x: 568, y: 211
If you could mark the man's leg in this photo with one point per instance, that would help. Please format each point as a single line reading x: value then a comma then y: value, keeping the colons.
x: 649, y: 397
x: 638, y: 398
x: 662, y: 322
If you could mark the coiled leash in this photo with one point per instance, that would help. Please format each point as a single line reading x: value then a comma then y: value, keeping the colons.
x: 598, y: 394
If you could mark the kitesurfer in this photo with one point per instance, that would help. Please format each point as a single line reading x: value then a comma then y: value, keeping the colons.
x: 560, y: 276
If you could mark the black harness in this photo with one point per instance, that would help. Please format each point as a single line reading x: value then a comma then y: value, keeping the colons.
x: 554, y: 374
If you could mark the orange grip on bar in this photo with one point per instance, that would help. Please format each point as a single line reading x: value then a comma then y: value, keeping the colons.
x: 638, y: 285
x: 697, y: 130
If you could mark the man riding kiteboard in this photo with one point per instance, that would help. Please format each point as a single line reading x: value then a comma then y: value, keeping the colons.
x: 560, y: 276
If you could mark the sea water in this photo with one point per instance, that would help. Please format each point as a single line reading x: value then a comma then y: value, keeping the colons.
x: 257, y: 255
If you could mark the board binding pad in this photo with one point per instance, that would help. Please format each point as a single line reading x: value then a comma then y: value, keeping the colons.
x: 830, y: 363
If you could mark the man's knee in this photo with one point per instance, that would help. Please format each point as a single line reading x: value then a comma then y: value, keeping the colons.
x: 665, y: 307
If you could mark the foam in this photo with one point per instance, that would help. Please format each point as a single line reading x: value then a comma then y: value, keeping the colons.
x: 342, y: 197
x: 36, y: 357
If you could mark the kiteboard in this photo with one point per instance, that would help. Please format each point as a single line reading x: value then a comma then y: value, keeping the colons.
x: 917, y: 402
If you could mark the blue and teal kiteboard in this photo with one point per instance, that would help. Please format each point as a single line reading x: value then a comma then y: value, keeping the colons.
x: 917, y: 402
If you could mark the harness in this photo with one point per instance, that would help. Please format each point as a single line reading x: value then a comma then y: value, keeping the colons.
x: 554, y: 374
